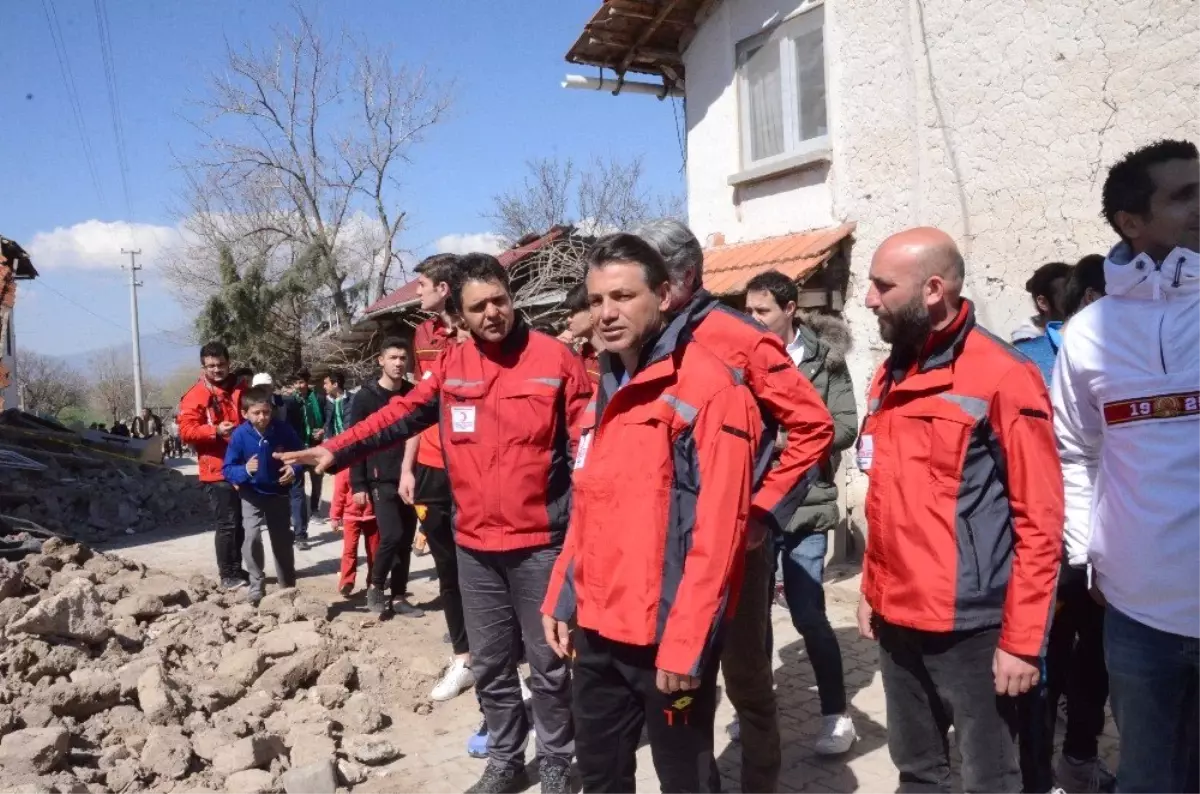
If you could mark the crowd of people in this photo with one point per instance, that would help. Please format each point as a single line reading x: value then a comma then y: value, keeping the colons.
x: 621, y: 511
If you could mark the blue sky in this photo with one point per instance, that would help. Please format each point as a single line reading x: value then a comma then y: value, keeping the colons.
x: 505, y: 58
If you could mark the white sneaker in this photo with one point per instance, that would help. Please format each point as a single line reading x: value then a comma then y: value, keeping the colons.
x: 457, y: 679
x: 836, y: 736
x: 734, y: 730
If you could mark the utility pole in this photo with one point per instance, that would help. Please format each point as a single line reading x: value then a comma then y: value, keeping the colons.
x: 137, y: 337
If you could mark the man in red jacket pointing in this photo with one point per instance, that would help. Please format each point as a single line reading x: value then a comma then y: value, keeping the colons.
x: 507, y: 402
x: 654, y: 557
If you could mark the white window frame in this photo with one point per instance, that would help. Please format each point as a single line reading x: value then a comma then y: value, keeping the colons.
x: 796, y: 153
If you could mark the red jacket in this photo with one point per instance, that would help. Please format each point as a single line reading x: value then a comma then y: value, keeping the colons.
x: 965, y: 502
x: 343, y: 507
x: 429, y: 340
x: 663, y: 475
x: 786, y: 397
x: 506, y: 413
x: 200, y: 411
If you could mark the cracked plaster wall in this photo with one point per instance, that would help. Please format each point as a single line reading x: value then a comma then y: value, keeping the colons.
x: 995, y: 121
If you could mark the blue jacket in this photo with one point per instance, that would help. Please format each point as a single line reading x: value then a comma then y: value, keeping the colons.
x: 246, y: 442
x: 1042, y: 350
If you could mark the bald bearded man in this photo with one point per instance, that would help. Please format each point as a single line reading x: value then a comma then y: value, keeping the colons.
x: 965, y: 515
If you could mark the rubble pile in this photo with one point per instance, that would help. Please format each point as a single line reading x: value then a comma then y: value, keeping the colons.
x: 116, y: 678
x: 87, y: 493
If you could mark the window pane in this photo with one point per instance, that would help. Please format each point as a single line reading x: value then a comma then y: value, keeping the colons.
x: 810, y: 74
x: 764, y: 95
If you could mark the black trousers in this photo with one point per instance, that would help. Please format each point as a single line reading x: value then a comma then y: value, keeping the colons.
x: 397, y: 528
x: 615, y: 695
x: 226, y: 507
x: 433, y: 491
x: 932, y: 680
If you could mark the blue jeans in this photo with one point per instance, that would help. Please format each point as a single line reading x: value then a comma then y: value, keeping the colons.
x: 1153, y: 679
x: 303, y: 505
x: 803, y: 568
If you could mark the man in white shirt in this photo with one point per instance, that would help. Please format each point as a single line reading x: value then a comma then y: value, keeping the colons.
x: 1126, y: 395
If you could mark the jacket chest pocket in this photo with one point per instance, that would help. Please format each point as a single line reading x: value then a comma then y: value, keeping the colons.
x: 935, y: 439
x: 647, y: 434
x: 464, y: 417
x: 527, y: 412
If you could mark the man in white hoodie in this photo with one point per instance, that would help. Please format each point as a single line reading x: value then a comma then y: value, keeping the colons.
x: 1126, y: 396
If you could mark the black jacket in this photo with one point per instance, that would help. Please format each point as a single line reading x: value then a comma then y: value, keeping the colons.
x: 382, y: 466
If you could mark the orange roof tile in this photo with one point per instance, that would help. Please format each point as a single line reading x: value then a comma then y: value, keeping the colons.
x: 727, y: 268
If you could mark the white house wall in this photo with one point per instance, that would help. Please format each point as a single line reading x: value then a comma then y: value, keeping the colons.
x: 995, y: 121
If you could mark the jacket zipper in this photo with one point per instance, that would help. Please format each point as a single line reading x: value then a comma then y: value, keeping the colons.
x: 1162, y: 349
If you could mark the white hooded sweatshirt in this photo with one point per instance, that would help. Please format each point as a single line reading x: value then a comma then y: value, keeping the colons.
x: 1126, y: 395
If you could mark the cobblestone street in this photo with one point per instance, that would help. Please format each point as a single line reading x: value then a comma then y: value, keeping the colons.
x: 434, y: 745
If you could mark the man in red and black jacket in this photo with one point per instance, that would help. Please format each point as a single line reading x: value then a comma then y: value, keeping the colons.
x: 965, y: 517
x: 653, y: 560
x: 208, y: 413
x: 787, y: 401
x: 507, y: 402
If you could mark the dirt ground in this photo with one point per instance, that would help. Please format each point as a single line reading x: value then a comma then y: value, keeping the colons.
x: 432, y: 737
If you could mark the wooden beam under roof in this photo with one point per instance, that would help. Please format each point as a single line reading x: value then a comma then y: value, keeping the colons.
x: 664, y: 11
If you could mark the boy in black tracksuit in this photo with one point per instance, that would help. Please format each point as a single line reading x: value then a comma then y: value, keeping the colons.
x: 378, y: 477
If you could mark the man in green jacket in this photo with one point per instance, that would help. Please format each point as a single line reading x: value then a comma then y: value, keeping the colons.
x: 818, y: 346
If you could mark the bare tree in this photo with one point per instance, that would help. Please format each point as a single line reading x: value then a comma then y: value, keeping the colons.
x: 47, y: 385
x: 609, y: 194
x: 542, y: 201
x: 304, y: 146
x: 112, y: 386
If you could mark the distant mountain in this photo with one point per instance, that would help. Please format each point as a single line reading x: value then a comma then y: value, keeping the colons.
x: 163, y: 354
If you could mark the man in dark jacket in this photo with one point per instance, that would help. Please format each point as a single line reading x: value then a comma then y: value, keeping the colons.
x: 818, y: 346
x: 147, y: 425
x: 377, y: 478
x: 305, y: 412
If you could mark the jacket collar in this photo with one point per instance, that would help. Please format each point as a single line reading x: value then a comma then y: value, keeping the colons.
x: 941, y: 348
x: 512, y: 344
x: 658, y: 359
x: 1142, y: 278
x: 813, y: 346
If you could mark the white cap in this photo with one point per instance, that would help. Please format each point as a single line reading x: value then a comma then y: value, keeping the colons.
x: 262, y: 379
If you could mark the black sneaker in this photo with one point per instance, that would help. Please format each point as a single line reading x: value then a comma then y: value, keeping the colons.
x: 555, y: 776
x: 497, y: 779
x: 375, y: 601
x: 232, y: 582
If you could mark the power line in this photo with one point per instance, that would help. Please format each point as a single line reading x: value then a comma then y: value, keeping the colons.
x: 68, y: 78
x: 41, y: 284
x: 114, y: 103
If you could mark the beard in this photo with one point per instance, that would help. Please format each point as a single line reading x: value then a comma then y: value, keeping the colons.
x: 907, y: 328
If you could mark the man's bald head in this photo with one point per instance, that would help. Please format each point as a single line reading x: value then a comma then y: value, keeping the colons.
x: 926, y: 252
x: 916, y: 284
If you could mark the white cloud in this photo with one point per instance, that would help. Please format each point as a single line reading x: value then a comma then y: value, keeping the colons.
x: 481, y: 242
x: 96, y: 245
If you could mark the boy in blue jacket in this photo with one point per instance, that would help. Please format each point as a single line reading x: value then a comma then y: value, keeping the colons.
x: 263, y: 483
